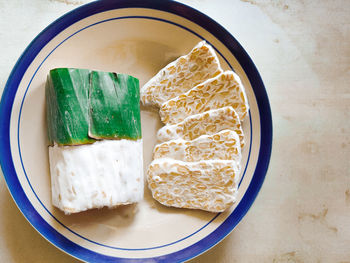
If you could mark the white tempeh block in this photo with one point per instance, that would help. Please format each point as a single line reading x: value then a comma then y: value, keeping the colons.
x: 105, y: 173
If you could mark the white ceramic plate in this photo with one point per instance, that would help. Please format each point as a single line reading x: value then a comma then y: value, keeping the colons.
x: 137, y: 38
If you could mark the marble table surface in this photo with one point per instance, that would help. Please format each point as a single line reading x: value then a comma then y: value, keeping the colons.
x: 302, y: 50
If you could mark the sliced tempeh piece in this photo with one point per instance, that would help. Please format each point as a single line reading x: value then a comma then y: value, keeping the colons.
x: 181, y: 75
x: 207, y: 185
x: 224, y: 145
x: 225, y: 89
x: 209, y: 122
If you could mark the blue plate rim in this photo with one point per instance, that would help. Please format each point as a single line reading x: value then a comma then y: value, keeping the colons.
x: 100, y: 6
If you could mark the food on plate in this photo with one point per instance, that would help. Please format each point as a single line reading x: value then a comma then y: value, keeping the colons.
x: 223, y: 90
x: 209, y: 185
x: 206, y: 123
x: 224, y: 145
x: 181, y: 75
x: 82, y: 106
x: 197, y: 163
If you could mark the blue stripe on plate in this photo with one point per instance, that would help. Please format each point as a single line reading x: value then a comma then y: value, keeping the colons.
x: 96, y: 7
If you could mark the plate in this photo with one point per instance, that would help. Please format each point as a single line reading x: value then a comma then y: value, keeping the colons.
x: 138, y: 38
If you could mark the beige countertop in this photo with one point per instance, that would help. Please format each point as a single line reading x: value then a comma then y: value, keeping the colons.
x: 302, y: 51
